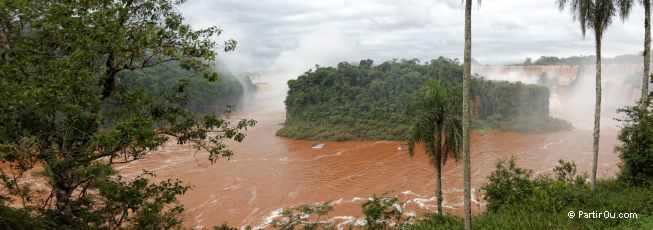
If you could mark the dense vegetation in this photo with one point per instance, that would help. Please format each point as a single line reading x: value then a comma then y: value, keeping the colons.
x: 534, y: 213
x: 367, y: 101
x: 70, y: 110
x: 636, y: 150
x: 203, y: 96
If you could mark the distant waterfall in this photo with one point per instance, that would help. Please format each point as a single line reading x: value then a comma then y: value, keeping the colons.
x: 573, y: 87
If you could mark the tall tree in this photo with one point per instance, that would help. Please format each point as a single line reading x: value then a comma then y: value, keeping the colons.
x: 467, y: 76
x: 66, y: 113
x: 625, y: 7
x: 437, y: 126
x: 596, y: 15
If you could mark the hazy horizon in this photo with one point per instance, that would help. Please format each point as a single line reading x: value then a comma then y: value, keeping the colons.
x: 291, y: 36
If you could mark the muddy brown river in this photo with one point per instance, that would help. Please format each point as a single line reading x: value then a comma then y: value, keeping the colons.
x: 269, y: 173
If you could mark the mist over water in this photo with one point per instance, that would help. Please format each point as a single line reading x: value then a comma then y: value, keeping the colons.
x: 325, y: 46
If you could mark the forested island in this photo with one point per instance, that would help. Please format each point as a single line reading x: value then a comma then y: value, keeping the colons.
x: 204, y: 96
x: 368, y: 101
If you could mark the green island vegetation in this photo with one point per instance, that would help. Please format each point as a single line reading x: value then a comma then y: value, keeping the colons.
x: 366, y: 101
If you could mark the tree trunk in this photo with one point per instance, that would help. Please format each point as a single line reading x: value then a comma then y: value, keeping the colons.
x: 597, y: 108
x: 467, y: 68
x: 647, y: 52
x: 438, y: 189
x: 63, y: 193
x: 62, y: 186
x: 437, y: 155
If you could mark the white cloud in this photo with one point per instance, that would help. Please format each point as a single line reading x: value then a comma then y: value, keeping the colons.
x: 325, y: 47
x: 303, y: 33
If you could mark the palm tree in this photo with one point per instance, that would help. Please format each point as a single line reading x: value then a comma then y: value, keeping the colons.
x: 467, y: 75
x: 624, y: 10
x: 596, y: 15
x: 437, y: 126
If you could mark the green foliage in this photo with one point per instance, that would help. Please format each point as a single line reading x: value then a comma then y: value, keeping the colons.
x: 438, y: 125
x: 203, y: 96
x: 636, y: 150
x: 523, y: 124
x: 299, y: 217
x: 381, y: 212
x: 358, y: 101
x: 510, y: 185
x: 367, y: 101
x: 507, y: 184
x: 432, y: 221
x: 609, y: 196
x: 437, y: 122
x: 146, y: 202
x: 502, y: 101
x: 74, y: 79
x: 566, y: 171
x: 542, y: 203
x: 596, y: 15
x: 226, y: 226
x: 18, y: 219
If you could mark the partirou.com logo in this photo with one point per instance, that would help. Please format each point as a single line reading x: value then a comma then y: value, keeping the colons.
x: 601, y: 214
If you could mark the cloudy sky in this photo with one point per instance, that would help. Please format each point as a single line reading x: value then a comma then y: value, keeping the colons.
x: 294, y: 35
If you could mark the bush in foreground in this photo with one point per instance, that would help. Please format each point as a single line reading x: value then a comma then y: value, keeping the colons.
x: 516, y: 200
x: 636, y: 152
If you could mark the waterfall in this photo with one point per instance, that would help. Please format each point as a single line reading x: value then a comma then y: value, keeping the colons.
x: 573, y: 88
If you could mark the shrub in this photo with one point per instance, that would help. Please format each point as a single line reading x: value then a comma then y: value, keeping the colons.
x: 510, y: 185
x: 636, y: 151
x: 434, y: 221
x: 382, y: 211
x: 298, y: 217
x: 507, y: 184
x: 566, y: 171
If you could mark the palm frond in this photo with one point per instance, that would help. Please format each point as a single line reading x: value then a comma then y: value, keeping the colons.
x: 433, y: 108
x: 625, y: 7
x: 595, y: 14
